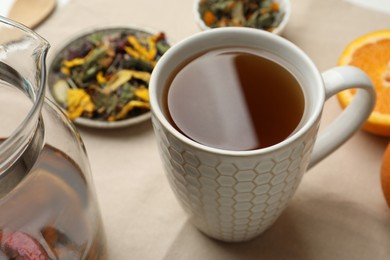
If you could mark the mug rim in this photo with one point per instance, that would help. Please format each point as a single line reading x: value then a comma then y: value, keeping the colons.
x: 171, y: 52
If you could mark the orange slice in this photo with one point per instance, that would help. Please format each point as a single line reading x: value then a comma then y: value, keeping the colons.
x: 371, y: 53
x: 385, y: 175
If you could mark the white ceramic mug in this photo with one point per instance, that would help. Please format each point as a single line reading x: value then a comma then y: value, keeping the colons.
x: 236, y: 195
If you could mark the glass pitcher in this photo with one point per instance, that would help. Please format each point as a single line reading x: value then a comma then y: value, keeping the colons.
x: 48, y: 207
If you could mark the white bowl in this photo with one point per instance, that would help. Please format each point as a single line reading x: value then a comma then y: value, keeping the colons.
x: 285, y: 9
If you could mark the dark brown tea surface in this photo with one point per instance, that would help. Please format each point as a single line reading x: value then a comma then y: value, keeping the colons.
x: 234, y: 100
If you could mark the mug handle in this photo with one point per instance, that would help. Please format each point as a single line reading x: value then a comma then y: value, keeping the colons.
x: 352, y: 118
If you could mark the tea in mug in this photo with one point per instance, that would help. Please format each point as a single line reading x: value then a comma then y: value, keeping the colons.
x: 234, y: 99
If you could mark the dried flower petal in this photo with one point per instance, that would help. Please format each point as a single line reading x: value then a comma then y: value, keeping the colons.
x: 78, y: 102
x: 121, y: 77
x: 146, y: 54
x: 142, y: 93
x: 100, y: 78
x: 74, y: 62
x: 65, y: 71
x: 130, y: 106
x: 132, y: 52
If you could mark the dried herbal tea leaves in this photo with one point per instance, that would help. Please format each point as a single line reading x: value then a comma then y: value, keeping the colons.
x: 261, y: 14
x: 105, y: 75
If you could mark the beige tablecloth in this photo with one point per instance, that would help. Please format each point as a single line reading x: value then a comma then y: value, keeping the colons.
x: 338, y: 212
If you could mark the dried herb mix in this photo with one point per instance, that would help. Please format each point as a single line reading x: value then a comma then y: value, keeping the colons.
x: 261, y: 14
x: 105, y: 75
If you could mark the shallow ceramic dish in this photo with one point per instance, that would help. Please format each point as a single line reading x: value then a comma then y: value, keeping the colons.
x: 284, y: 16
x: 74, y: 43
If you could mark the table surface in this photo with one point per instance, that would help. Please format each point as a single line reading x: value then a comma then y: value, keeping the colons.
x: 338, y: 212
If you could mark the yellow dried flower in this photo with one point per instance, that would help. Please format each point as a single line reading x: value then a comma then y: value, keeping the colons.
x: 74, y: 62
x: 65, y: 70
x: 100, y: 77
x: 130, y: 106
x: 145, y: 54
x: 142, y: 93
x: 132, y: 52
x: 78, y: 102
x: 123, y: 76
